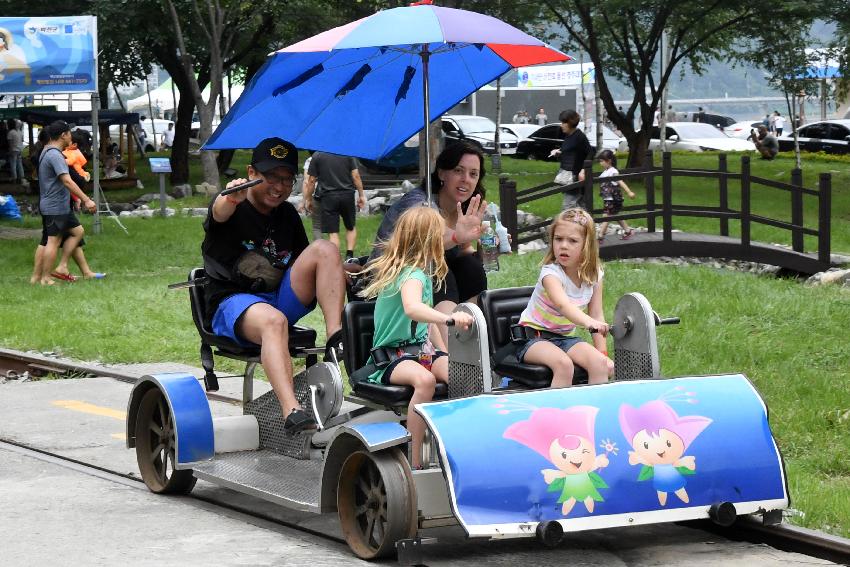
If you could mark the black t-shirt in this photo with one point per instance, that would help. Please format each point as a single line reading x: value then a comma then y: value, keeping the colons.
x: 333, y: 172
x: 280, y: 236
x: 574, y: 150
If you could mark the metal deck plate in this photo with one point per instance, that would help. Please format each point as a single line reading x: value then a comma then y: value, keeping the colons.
x: 290, y: 482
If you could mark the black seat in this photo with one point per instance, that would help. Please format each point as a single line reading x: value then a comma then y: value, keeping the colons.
x: 358, y: 326
x: 299, y: 337
x: 502, y: 308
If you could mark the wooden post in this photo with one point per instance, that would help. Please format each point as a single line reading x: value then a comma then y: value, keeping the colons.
x: 723, y: 185
x: 745, y: 203
x: 649, y: 183
x: 797, y: 209
x: 667, y: 196
x: 507, y: 198
x: 824, y: 206
x: 587, y: 190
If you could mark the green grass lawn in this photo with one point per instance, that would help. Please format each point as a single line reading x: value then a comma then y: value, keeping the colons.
x: 790, y: 339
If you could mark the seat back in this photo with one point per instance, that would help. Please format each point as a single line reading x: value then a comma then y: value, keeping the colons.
x: 198, y: 302
x: 358, y: 329
x: 502, y: 308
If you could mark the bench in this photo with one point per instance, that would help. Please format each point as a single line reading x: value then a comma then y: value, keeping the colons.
x: 300, y: 339
x: 502, y: 308
x: 358, y: 326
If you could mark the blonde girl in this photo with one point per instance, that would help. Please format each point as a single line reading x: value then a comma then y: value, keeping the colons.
x: 568, y: 294
x: 402, y: 277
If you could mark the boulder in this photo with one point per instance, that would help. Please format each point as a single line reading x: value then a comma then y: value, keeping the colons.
x: 206, y: 189
x: 181, y: 191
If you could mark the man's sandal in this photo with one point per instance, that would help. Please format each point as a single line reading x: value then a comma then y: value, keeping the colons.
x: 297, y: 421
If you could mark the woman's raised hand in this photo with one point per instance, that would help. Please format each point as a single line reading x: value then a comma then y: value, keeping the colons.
x: 469, y: 225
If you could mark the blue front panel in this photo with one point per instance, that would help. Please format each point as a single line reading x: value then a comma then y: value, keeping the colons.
x: 192, y: 417
x: 377, y: 436
x: 597, y: 456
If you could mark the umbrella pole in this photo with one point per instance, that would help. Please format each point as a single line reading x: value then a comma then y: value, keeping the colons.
x: 425, y: 54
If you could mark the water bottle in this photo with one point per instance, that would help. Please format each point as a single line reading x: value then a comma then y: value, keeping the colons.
x: 489, y: 249
x: 501, y: 230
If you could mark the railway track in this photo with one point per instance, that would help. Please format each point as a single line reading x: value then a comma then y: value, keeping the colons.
x: 783, y: 537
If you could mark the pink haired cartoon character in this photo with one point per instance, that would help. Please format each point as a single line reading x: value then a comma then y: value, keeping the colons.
x: 660, y: 438
x: 566, y: 438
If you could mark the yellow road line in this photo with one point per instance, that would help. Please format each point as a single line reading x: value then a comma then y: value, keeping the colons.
x: 76, y: 405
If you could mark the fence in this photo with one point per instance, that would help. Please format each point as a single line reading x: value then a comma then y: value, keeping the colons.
x: 667, y: 209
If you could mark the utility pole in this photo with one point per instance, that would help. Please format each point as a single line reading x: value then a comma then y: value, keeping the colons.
x: 662, y: 112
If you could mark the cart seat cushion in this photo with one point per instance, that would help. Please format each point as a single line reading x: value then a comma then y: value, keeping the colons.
x: 299, y: 337
x: 390, y: 395
x: 532, y: 375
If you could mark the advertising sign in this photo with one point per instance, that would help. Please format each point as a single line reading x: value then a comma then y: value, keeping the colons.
x: 570, y: 75
x: 623, y: 453
x: 48, y: 55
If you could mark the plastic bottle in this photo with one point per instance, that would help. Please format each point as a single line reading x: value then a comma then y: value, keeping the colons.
x: 501, y: 230
x: 489, y: 249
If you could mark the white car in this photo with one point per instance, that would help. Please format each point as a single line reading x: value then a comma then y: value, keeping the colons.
x: 479, y: 131
x: 742, y: 129
x: 610, y: 139
x: 521, y: 131
x: 698, y: 137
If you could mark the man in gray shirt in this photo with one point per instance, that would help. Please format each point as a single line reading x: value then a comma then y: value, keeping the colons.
x: 56, y: 186
x: 16, y: 146
x: 766, y: 143
x: 337, y: 178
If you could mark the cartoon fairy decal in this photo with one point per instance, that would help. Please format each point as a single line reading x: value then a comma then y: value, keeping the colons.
x: 566, y: 438
x: 660, y: 438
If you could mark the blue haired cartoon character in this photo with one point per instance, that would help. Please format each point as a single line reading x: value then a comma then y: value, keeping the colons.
x: 566, y: 438
x: 660, y: 438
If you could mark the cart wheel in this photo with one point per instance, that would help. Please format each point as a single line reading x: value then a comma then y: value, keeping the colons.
x: 376, y: 500
x: 156, y: 444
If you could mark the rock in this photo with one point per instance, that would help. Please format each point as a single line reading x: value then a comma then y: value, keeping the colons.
x: 194, y: 212
x: 375, y: 204
x: 532, y: 246
x: 206, y: 189
x: 121, y: 207
x: 834, y: 276
x: 181, y: 191
x: 839, y: 259
x: 185, y: 188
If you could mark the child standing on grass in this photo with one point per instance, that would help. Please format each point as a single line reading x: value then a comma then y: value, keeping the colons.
x: 568, y: 294
x: 403, y: 352
x: 612, y: 197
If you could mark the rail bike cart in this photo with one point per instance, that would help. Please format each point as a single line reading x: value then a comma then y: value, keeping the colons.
x: 502, y: 462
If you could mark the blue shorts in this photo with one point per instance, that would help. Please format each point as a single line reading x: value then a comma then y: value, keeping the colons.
x: 565, y: 344
x: 231, y: 309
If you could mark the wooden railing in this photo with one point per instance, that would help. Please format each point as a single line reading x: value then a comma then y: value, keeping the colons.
x: 652, y: 210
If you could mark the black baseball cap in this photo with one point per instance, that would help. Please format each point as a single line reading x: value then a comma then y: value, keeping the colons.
x: 57, y: 128
x: 274, y: 152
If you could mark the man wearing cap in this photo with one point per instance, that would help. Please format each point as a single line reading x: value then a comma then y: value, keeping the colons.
x: 56, y: 187
x: 260, y: 222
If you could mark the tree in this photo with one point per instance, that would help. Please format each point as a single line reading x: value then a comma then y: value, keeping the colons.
x: 623, y: 38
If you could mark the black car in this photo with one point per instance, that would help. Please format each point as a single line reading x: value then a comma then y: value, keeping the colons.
x: 540, y: 144
x: 830, y: 136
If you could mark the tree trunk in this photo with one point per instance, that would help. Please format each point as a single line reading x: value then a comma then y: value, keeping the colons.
x: 180, y: 149
x: 638, y: 144
x: 208, y: 158
x: 223, y: 160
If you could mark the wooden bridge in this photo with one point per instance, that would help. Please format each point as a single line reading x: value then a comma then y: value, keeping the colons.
x: 664, y: 241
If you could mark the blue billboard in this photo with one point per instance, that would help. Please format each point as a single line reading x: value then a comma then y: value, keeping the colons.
x: 624, y: 453
x: 48, y: 55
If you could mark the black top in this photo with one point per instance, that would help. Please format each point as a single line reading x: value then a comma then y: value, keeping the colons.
x: 280, y: 236
x: 333, y: 172
x: 574, y: 150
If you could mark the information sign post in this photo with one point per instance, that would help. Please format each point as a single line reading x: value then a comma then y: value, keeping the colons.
x: 161, y: 166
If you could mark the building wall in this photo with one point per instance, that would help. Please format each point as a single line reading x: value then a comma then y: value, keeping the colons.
x: 514, y: 100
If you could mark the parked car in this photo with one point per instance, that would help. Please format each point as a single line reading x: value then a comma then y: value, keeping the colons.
x: 742, y: 129
x: 830, y: 136
x: 698, y: 137
x: 521, y: 131
x: 478, y: 130
x: 716, y: 120
x: 404, y: 158
x: 547, y: 138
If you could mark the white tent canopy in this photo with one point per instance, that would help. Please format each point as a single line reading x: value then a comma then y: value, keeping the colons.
x: 162, y: 98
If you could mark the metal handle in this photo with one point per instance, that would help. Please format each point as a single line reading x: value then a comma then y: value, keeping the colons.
x: 314, y: 393
x: 241, y: 186
x: 666, y: 320
x: 197, y: 282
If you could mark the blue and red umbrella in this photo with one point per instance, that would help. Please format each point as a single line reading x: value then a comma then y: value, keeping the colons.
x: 363, y: 88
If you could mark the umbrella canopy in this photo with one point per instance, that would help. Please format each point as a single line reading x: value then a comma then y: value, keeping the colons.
x: 357, y: 89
